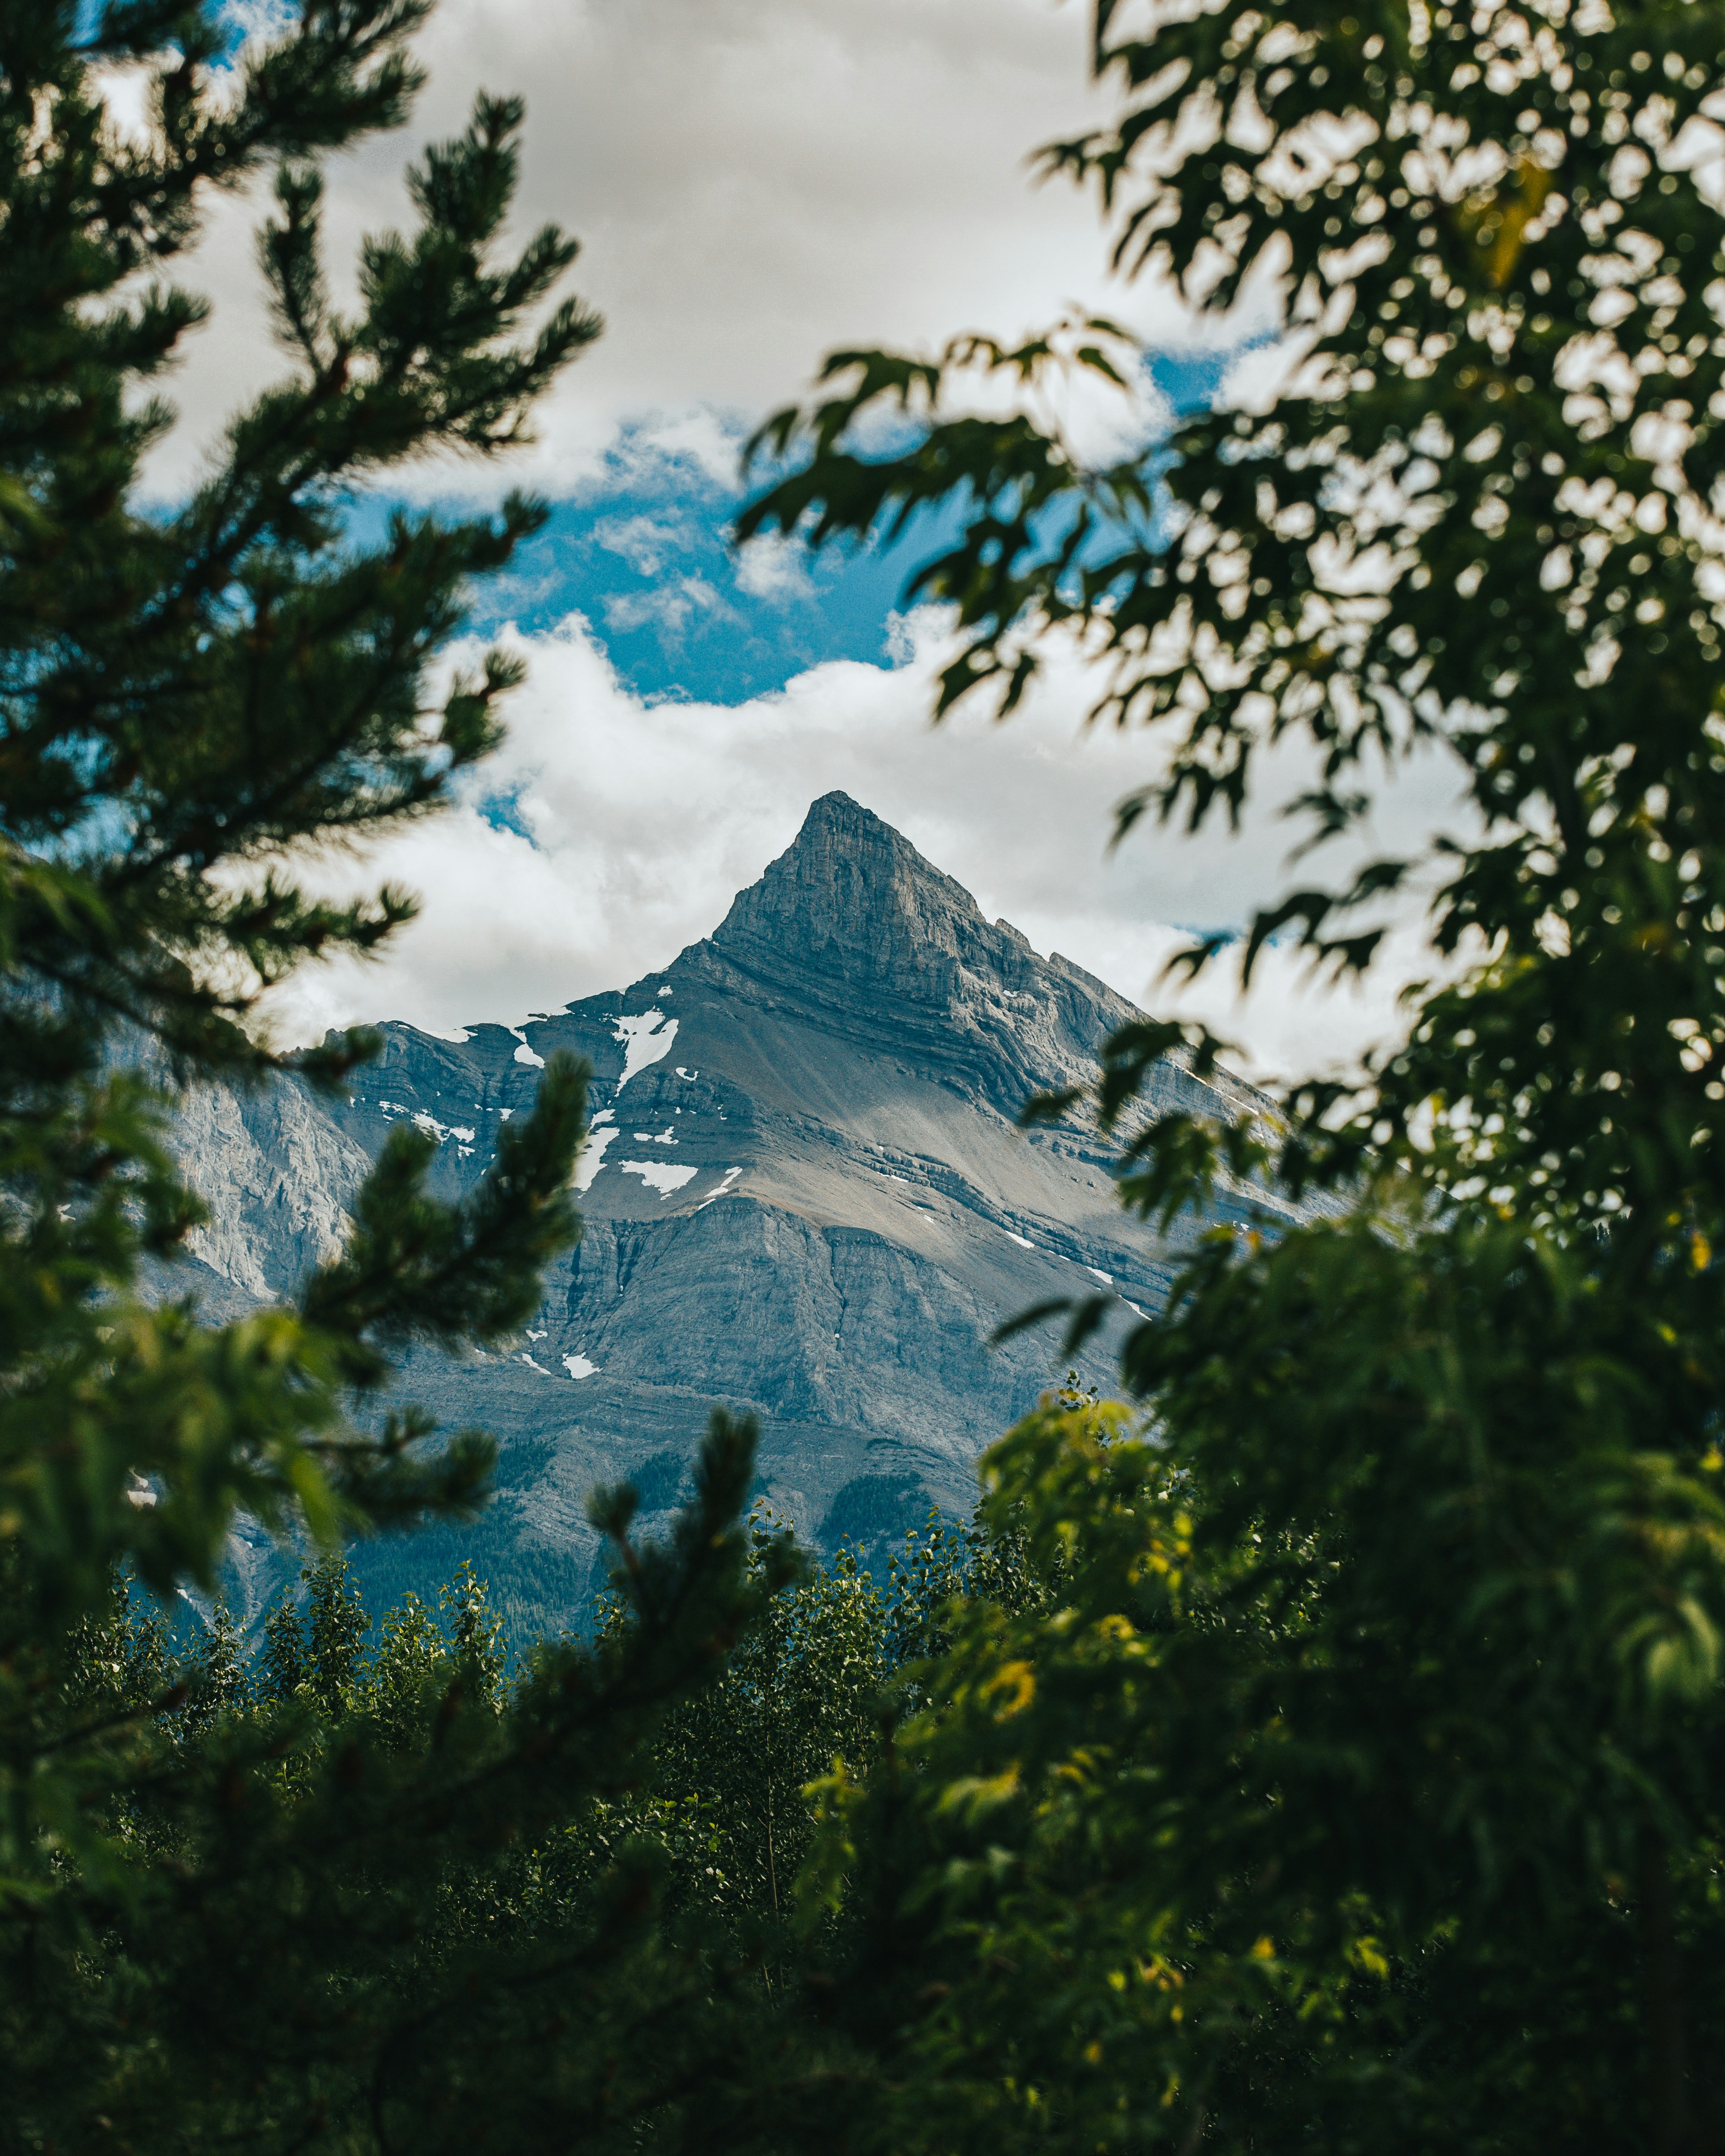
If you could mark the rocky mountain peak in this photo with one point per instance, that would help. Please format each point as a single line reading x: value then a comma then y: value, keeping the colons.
x: 853, y: 922
x: 852, y: 896
x: 804, y: 1195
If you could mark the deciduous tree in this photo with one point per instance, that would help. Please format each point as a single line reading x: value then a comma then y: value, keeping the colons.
x: 1364, y: 1785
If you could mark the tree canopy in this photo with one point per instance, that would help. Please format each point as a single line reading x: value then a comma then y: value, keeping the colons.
x: 1391, y: 1679
x: 186, y: 700
x: 1323, y: 1748
x: 191, y: 699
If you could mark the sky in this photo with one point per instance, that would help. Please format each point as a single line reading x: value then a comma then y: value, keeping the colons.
x: 756, y: 182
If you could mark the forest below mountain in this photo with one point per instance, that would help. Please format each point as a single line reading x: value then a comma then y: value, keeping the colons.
x: 1317, y: 1740
x: 712, y: 1806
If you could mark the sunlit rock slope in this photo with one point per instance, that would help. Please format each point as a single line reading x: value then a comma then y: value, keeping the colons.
x: 805, y: 1195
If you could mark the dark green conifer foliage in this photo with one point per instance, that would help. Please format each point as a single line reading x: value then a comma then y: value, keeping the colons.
x: 246, y: 1903
x: 184, y: 700
x: 389, y: 1903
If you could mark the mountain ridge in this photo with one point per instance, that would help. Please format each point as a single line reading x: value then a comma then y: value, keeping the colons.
x: 804, y: 1195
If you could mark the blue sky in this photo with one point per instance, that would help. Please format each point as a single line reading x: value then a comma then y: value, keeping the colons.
x: 647, y: 561
x: 644, y: 553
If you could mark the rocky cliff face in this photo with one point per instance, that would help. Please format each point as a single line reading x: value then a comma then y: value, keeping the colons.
x: 805, y: 1196
x: 854, y: 926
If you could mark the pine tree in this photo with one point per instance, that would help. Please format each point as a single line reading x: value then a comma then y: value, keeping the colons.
x: 224, y: 1921
x: 186, y: 700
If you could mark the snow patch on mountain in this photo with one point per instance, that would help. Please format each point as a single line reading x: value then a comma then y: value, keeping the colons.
x: 591, y: 1158
x: 646, y: 1040
x: 659, y: 1176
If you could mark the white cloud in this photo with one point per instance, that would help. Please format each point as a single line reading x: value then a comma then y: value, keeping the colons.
x: 652, y: 450
x: 754, y: 181
x: 255, y: 21
x: 642, y: 542
x: 667, y: 607
x: 1263, y: 373
x: 775, y: 568
x: 637, y: 822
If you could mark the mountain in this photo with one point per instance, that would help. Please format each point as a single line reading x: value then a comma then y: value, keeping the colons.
x: 805, y: 1195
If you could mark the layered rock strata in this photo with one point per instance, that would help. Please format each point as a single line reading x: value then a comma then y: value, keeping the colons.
x: 805, y: 1196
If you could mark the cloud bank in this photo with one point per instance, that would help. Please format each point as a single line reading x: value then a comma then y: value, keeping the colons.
x: 754, y: 182
x: 614, y: 829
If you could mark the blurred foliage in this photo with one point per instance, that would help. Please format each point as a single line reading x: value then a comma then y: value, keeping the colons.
x: 1362, y: 1790
x: 353, y: 1886
x: 191, y: 703
x: 211, y: 1869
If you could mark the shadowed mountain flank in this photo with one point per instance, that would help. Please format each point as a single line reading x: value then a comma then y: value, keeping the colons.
x: 805, y: 1195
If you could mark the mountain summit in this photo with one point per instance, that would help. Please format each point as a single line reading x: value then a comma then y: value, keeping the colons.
x: 853, y: 922
x: 805, y: 1197
x: 852, y: 901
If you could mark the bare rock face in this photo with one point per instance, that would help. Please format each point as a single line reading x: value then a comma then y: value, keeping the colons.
x: 853, y: 924
x: 276, y: 1173
x: 805, y: 1196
